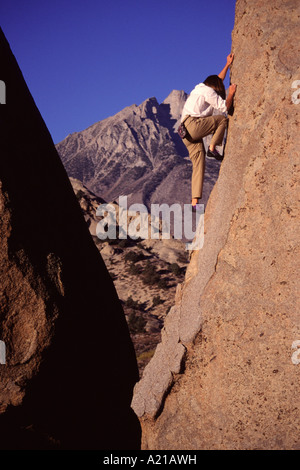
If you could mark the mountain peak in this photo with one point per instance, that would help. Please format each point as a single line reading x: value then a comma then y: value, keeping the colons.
x: 175, y: 100
x: 176, y: 95
x: 149, y: 106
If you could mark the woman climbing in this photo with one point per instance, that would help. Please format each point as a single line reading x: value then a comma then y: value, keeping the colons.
x: 198, y: 120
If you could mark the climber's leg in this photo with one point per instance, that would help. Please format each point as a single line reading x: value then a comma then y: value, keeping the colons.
x: 218, y: 135
x: 197, y: 156
x: 199, y: 127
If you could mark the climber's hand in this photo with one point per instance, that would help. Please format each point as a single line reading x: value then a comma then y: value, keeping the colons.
x: 223, y: 72
x: 229, y: 99
x: 232, y: 89
x: 230, y: 58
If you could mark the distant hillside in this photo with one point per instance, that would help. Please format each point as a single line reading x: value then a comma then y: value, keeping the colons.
x: 145, y: 274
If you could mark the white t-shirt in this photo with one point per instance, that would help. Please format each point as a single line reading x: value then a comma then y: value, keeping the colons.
x: 202, y: 101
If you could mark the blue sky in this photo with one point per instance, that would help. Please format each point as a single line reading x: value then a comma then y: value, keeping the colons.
x: 85, y: 60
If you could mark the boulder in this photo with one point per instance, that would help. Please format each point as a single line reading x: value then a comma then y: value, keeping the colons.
x: 237, y: 313
x: 70, y: 366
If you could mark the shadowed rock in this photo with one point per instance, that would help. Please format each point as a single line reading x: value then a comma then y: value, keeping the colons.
x: 70, y: 364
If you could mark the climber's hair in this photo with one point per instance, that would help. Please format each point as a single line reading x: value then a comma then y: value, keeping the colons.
x: 215, y: 82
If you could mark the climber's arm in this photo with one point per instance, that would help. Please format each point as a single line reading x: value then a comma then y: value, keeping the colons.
x: 231, y: 92
x: 223, y: 72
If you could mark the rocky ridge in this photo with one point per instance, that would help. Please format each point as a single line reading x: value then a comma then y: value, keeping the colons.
x: 146, y: 294
x: 137, y: 153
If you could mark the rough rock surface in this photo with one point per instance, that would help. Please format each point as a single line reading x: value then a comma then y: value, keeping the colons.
x: 137, y: 153
x: 237, y: 313
x: 70, y: 364
x: 89, y: 204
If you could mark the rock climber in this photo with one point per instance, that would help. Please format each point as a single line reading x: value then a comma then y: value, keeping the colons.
x: 198, y: 121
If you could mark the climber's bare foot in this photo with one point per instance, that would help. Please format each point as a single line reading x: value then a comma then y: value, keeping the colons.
x: 195, y: 200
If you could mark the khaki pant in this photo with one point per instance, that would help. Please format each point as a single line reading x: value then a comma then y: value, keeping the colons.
x: 199, y: 127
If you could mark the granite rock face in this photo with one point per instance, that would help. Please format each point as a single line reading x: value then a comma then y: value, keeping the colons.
x: 70, y: 365
x: 237, y: 313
